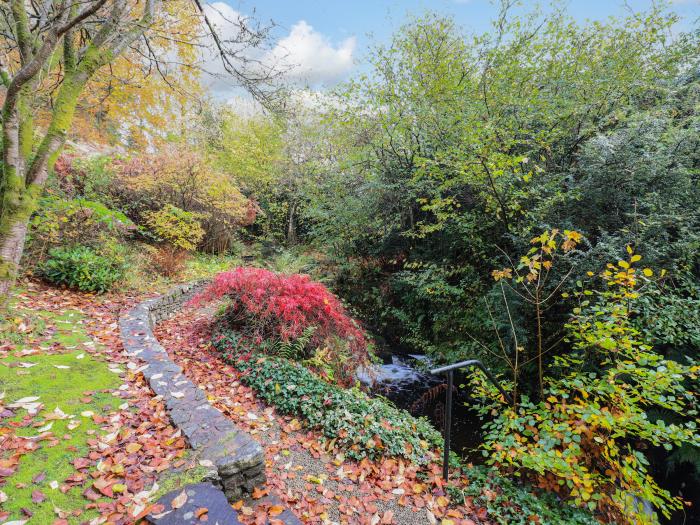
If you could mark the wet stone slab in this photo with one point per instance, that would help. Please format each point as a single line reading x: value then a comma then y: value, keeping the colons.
x: 200, y: 496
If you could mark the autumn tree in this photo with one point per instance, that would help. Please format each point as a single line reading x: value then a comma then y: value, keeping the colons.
x: 70, y: 42
x: 149, y: 93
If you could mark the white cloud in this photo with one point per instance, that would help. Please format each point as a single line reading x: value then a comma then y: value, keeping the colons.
x: 312, y: 57
x: 308, y: 56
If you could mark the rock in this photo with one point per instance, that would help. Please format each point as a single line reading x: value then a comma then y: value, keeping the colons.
x: 199, y: 496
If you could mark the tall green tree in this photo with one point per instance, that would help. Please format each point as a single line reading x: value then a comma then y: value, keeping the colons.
x: 459, y: 149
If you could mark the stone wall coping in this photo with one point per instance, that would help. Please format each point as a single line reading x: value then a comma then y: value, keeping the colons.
x: 236, y: 460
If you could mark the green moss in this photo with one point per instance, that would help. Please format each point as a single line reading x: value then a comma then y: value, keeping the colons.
x: 62, y: 388
x: 173, y: 480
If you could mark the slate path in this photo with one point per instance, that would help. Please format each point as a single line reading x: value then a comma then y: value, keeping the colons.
x: 206, y: 496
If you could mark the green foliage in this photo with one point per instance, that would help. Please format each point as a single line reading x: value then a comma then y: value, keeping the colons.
x: 509, y: 503
x: 88, y: 177
x: 466, y: 147
x: 364, y: 426
x: 583, y: 438
x: 669, y: 317
x: 175, y: 227
x: 290, y: 261
x: 81, y: 268
x: 71, y: 222
x: 293, y: 349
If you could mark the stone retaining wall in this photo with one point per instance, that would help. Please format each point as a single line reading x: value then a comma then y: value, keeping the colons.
x: 236, y: 459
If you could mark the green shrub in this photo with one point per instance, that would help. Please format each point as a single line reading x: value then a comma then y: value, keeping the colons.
x: 81, y: 268
x: 72, y: 222
x: 587, y: 435
x: 510, y: 503
x: 175, y: 227
x: 363, y: 426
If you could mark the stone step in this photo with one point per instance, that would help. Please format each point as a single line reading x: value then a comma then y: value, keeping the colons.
x: 199, y: 496
x: 207, y: 496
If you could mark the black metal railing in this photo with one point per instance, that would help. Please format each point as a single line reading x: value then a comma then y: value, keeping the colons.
x: 450, y: 370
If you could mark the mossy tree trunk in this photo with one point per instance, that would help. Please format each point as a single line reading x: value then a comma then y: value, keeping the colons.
x: 26, y: 162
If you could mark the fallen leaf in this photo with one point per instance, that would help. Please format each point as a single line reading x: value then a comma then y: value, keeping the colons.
x: 259, y: 493
x: 179, y: 500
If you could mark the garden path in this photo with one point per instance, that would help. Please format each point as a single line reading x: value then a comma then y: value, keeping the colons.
x: 124, y: 442
x: 319, y: 485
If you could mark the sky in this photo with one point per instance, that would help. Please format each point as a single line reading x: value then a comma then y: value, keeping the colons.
x: 328, y: 40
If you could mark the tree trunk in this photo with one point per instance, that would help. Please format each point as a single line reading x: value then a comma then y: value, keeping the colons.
x: 291, y: 226
x: 23, y: 185
x: 11, y: 247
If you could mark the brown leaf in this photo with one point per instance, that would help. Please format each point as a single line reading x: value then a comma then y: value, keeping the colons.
x: 81, y: 463
x: 179, y: 500
x: 91, y: 494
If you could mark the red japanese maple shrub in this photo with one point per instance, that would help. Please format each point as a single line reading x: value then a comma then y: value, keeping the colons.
x: 269, y: 306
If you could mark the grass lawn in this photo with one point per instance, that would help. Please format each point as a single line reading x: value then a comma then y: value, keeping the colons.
x: 51, y: 362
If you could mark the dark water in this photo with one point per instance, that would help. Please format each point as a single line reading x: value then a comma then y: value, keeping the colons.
x: 404, y: 380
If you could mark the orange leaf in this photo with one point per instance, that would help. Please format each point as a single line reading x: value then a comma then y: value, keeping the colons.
x: 276, y: 510
x: 259, y: 493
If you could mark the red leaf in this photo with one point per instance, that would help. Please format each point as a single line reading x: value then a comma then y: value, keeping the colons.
x: 81, y: 463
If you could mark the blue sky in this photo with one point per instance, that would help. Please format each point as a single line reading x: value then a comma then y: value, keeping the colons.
x: 340, y: 19
x: 328, y: 40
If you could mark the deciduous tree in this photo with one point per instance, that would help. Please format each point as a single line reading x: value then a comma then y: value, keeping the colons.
x: 70, y: 41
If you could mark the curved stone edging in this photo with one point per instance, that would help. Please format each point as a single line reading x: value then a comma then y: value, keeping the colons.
x: 238, y: 459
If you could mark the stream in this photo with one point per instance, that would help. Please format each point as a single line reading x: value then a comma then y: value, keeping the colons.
x: 404, y: 380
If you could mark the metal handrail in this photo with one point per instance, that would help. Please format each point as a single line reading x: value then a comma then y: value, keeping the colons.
x: 450, y: 370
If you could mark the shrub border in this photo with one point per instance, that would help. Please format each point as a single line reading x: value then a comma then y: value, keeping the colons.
x: 363, y: 426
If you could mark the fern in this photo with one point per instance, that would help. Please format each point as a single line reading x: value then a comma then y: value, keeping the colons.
x: 684, y: 454
x: 295, y: 349
x: 320, y: 362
